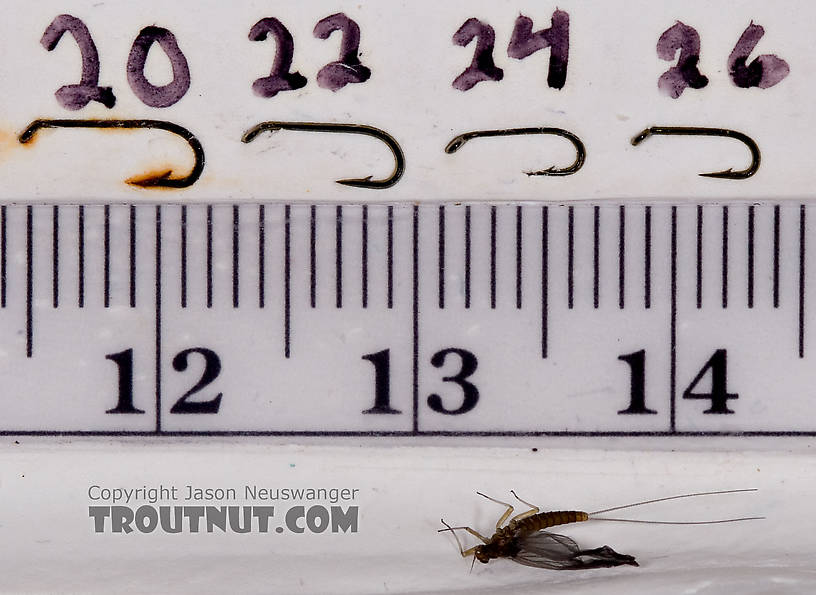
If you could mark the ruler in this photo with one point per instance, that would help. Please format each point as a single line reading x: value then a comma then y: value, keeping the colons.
x: 406, y: 320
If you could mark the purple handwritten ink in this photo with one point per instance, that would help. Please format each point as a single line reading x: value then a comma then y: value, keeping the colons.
x: 685, y: 74
x: 279, y: 79
x: 75, y: 97
x: 150, y: 94
x: 348, y: 69
x: 481, y: 67
x: 524, y: 43
x: 765, y: 71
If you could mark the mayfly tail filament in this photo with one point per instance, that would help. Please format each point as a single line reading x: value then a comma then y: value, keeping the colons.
x: 593, y: 516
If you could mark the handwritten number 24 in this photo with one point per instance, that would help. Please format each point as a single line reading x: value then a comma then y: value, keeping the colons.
x: 523, y: 43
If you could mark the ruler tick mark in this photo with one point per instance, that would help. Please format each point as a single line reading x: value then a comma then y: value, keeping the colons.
x: 725, y: 257
x: 313, y: 257
x: 673, y: 325
x: 415, y: 307
x: 441, y: 257
x: 236, y: 255
x: 596, y: 264
x: 183, y: 256
x: 132, y: 256
x: 287, y: 260
x: 621, y: 256
x: 29, y: 281
x: 776, y: 223
x: 545, y: 290
x: 493, y: 257
x: 209, y: 256
x: 802, y: 281
x: 81, y: 257
x: 106, y: 257
x: 390, y: 256
x: 570, y: 255
x: 647, y: 258
x: 158, y: 331
x: 519, y: 256
x: 467, y: 256
x: 261, y: 256
x: 3, y: 255
x: 364, y: 257
x: 751, y: 256
x: 55, y: 256
x: 338, y: 256
x: 699, y: 256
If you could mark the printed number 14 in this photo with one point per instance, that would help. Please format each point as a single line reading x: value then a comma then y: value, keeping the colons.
x: 716, y: 368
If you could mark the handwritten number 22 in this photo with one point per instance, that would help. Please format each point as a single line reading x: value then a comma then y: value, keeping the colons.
x: 333, y: 76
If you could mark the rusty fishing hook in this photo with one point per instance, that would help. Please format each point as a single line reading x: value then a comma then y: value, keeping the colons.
x: 728, y: 174
x: 161, y: 181
x: 381, y: 135
x: 457, y: 142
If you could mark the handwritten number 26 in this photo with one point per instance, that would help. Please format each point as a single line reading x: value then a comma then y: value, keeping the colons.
x: 763, y: 72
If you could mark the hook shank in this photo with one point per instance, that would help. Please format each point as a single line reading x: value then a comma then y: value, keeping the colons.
x: 729, y: 173
x: 161, y: 181
x: 381, y: 135
x: 457, y: 142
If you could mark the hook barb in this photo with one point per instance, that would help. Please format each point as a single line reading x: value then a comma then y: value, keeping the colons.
x: 163, y: 180
x: 457, y: 142
x: 727, y: 174
x: 381, y: 135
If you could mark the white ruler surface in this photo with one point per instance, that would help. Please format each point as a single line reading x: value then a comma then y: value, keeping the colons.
x: 401, y: 320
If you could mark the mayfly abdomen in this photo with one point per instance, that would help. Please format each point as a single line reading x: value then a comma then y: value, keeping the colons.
x: 543, y: 520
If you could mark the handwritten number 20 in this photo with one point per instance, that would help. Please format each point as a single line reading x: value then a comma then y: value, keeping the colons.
x: 77, y: 96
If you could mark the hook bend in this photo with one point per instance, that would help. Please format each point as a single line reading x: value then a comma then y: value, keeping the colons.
x: 580, y: 151
x: 728, y: 174
x: 164, y: 180
x: 381, y: 135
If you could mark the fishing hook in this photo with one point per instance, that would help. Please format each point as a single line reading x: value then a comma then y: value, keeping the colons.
x: 161, y: 181
x: 728, y: 174
x: 381, y: 135
x: 458, y: 141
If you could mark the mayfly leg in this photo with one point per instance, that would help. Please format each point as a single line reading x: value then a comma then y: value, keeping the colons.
x: 465, y: 553
x: 534, y: 510
x: 507, y: 512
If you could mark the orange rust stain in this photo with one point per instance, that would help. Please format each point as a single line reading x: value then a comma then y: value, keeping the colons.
x: 10, y: 139
x: 139, y: 179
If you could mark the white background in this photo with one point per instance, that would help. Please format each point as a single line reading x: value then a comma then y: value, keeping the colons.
x: 47, y: 544
x: 610, y: 96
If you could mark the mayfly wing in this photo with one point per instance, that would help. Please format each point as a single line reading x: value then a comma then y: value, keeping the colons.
x: 558, y: 552
x: 546, y: 550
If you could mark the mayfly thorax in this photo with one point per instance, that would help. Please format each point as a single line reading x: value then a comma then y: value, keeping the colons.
x: 524, y: 539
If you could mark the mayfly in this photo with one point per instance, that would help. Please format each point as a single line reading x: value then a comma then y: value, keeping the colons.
x: 524, y: 540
